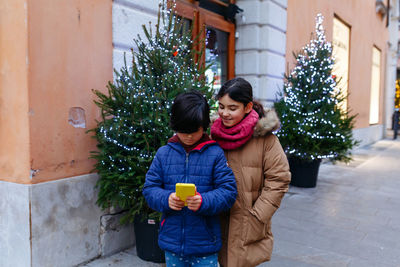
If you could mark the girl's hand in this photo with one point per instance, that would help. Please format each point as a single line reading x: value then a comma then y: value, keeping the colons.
x: 174, y: 202
x: 194, y: 202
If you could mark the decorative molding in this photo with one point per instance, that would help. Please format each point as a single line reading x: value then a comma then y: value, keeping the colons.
x: 262, y: 25
x: 137, y: 7
x: 123, y: 47
x: 279, y: 4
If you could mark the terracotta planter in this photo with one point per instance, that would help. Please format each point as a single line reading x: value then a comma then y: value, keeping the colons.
x: 304, y: 173
x: 146, y: 232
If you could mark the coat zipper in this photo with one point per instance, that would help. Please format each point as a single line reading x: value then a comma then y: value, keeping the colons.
x: 184, y: 212
x: 186, y: 167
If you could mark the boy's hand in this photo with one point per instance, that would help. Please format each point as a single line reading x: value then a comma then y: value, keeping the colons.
x: 194, y: 202
x: 174, y: 202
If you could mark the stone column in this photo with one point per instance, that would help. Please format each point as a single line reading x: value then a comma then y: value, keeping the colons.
x: 261, y: 46
x: 391, y: 64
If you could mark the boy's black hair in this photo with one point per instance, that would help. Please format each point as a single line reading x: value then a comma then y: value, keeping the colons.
x: 189, y: 112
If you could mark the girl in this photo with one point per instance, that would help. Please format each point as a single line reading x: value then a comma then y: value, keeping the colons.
x: 190, y: 236
x: 244, y: 131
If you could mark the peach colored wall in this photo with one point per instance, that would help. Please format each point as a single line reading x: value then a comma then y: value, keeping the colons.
x: 70, y: 52
x: 367, y: 29
x: 14, y: 123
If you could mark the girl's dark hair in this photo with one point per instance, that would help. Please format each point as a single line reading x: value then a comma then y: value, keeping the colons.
x: 241, y: 91
x: 189, y: 112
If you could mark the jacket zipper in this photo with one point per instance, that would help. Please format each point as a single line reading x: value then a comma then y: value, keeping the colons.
x: 184, y: 212
x: 183, y: 233
x: 186, y: 167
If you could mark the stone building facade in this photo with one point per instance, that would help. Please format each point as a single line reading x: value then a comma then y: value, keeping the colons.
x: 55, y: 52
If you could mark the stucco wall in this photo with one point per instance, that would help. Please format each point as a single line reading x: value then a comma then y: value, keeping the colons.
x: 14, y: 123
x: 367, y: 30
x: 52, y: 54
x: 70, y: 52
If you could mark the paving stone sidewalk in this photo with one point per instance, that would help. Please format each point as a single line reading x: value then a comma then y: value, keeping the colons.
x: 352, y: 217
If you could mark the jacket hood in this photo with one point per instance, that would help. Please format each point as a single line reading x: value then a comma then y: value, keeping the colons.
x: 266, y: 125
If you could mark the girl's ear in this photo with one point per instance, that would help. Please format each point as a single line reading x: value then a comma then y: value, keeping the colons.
x: 248, y: 107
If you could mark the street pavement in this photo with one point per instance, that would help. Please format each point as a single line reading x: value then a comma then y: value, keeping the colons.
x: 352, y: 217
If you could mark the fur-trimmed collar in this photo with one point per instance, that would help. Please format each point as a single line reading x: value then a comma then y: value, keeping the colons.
x: 266, y: 125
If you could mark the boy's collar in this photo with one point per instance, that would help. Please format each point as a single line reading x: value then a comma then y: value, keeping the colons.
x: 204, y: 140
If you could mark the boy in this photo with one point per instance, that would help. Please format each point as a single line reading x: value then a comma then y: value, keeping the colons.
x: 190, y: 235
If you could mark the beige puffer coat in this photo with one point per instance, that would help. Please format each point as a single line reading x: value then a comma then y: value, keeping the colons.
x: 262, y: 174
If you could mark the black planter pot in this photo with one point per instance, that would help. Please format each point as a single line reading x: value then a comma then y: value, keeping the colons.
x: 146, y: 232
x: 304, y: 173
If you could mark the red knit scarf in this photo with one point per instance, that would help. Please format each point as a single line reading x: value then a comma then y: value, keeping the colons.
x: 237, y: 135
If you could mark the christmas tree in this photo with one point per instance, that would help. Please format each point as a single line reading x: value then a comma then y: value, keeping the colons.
x: 314, y: 127
x: 135, y: 112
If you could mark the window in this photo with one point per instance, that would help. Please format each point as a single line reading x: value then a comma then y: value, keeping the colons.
x: 218, y: 34
x: 375, y: 85
x: 216, y: 55
x: 341, y: 52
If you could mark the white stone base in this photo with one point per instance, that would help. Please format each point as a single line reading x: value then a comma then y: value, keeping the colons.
x: 368, y: 135
x: 115, y: 237
x: 15, y: 249
x: 56, y: 224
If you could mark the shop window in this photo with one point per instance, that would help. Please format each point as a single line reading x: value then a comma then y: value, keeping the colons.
x: 219, y: 35
x: 341, y: 52
x: 375, y: 86
x: 216, y: 55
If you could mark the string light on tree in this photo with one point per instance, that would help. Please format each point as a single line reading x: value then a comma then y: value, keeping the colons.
x: 313, y: 127
x: 135, y: 110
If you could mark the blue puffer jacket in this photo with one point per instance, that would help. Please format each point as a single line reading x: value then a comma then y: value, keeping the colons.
x: 186, y: 232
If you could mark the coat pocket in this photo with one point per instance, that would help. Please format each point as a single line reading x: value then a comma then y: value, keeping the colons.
x: 254, y: 230
x: 170, y: 230
x: 209, y: 230
x: 162, y: 225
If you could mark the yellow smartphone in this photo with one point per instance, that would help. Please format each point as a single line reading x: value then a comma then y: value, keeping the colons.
x: 184, y: 190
